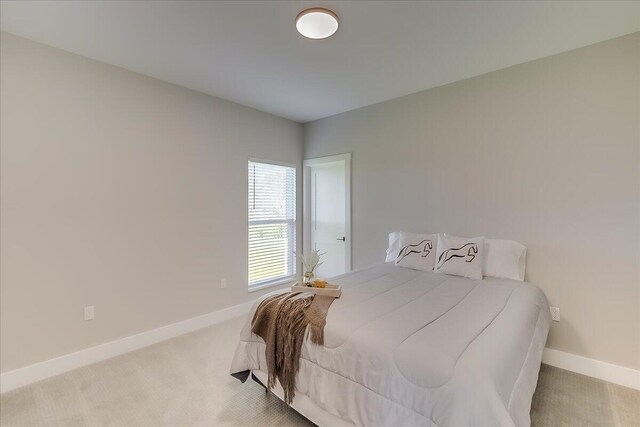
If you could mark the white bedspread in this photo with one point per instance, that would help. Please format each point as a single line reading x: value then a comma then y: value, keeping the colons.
x: 406, y: 347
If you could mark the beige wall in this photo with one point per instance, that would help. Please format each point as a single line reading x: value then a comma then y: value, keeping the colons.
x: 119, y: 191
x: 546, y: 153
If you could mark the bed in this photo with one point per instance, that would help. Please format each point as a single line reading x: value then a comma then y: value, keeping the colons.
x: 408, y: 347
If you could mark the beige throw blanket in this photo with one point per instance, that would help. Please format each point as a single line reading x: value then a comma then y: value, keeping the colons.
x: 281, y: 321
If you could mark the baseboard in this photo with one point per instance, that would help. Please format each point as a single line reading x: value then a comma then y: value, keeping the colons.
x: 39, y: 371
x: 593, y: 368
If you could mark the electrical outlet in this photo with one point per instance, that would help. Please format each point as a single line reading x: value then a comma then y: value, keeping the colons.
x: 89, y: 312
x: 223, y: 283
x: 555, y: 314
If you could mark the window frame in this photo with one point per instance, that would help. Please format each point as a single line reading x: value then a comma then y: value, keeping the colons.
x: 257, y: 286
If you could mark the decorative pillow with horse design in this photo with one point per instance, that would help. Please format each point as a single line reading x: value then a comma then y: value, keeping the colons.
x: 460, y: 256
x: 417, y: 251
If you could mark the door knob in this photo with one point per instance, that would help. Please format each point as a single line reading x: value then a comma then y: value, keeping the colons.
x: 343, y: 239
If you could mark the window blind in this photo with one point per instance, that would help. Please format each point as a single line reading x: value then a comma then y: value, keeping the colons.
x: 272, y: 223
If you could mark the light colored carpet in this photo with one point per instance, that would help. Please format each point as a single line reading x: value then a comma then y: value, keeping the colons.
x: 185, y: 382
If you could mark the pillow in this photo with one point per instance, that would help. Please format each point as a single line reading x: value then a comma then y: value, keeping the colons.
x: 504, y: 259
x: 394, y: 246
x: 417, y: 251
x: 460, y: 256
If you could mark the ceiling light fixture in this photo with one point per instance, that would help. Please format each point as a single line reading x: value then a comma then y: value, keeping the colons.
x: 317, y: 23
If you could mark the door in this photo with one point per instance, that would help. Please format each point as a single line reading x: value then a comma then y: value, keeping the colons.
x: 327, y: 212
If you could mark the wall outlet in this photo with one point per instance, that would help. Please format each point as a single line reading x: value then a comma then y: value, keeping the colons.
x: 89, y: 312
x: 223, y: 283
x: 555, y: 314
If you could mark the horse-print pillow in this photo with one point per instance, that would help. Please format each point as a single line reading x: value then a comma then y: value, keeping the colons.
x: 417, y: 251
x: 460, y: 256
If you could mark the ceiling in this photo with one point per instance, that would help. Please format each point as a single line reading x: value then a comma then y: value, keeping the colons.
x: 249, y: 51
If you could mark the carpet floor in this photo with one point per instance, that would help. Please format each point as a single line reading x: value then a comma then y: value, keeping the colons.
x: 185, y: 382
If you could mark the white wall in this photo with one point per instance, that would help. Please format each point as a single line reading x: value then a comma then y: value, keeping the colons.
x: 546, y: 153
x: 119, y: 191
x: 122, y: 191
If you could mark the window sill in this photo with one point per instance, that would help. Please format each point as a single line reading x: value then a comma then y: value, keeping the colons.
x: 286, y: 281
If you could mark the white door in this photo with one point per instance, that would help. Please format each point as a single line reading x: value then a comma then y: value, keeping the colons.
x: 327, y: 203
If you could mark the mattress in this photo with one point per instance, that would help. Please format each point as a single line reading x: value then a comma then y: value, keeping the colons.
x: 407, y: 347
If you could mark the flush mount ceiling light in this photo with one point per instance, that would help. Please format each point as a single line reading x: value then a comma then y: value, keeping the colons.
x: 317, y: 23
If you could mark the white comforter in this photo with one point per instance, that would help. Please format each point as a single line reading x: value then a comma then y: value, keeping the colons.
x: 406, y: 347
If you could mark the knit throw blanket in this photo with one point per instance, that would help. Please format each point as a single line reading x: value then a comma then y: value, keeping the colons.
x: 281, y: 321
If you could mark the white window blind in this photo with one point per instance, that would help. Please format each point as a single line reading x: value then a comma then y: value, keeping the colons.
x: 272, y: 223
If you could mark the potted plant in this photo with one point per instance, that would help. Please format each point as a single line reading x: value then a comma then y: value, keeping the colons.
x: 310, y: 262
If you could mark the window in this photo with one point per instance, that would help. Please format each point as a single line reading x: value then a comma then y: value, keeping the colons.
x: 272, y: 223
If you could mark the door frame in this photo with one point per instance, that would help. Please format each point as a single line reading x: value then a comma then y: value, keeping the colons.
x: 306, y: 204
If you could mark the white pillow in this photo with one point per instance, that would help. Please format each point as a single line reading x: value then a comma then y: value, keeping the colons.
x: 417, y: 251
x: 505, y: 259
x: 460, y: 256
x: 394, y: 246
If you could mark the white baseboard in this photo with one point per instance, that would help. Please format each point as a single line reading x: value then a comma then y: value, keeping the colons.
x: 594, y: 368
x: 39, y: 371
